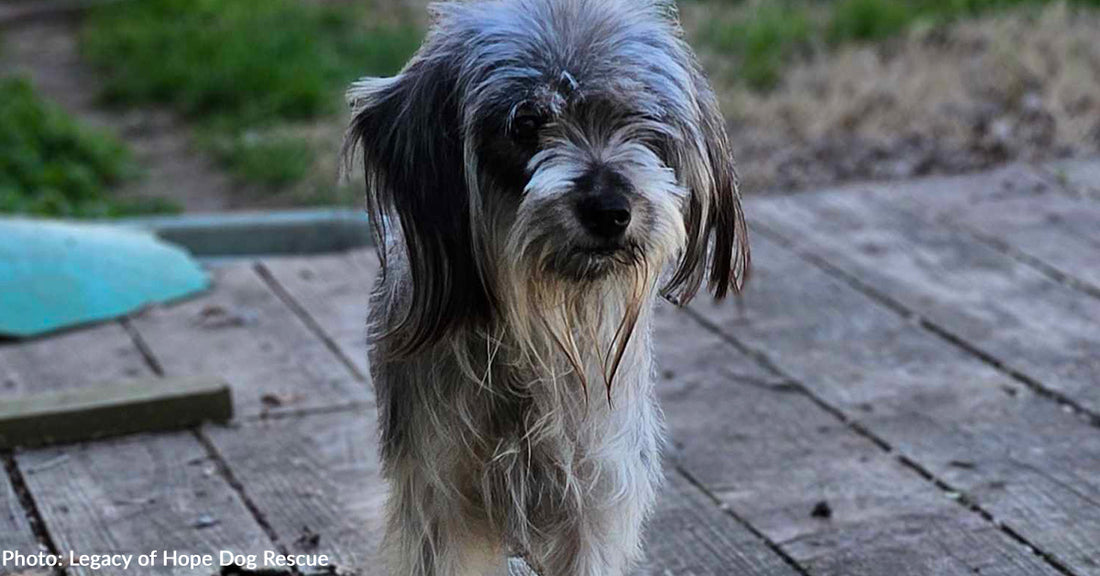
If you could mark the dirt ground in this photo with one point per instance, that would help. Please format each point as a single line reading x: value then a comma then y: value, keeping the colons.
x: 944, y: 100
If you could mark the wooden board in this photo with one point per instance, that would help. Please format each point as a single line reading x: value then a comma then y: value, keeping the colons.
x: 69, y: 361
x: 316, y: 481
x: 16, y: 534
x: 1020, y: 457
x: 140, y: 494
x: 774, y: 456
x: 244, y: 333
x: 1019, y: 210
x: 1082, y: 176
x: 128, y: 495
x: 333, y: 291
x: 997, y: 304
x: 100, y: 411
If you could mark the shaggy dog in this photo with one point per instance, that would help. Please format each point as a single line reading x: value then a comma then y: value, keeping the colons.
x: 537, y: 174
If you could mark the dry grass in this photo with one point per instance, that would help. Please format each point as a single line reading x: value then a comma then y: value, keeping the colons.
x: 1017, y: 85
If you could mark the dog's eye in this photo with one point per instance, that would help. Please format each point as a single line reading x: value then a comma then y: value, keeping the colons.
x: 526, y: 126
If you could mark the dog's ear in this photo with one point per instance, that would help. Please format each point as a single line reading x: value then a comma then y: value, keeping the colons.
x: 409, y: 132
x: 717, y: 244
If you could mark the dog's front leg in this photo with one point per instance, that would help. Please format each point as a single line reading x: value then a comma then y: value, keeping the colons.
x: 604, y: 537
x: 429, y: 534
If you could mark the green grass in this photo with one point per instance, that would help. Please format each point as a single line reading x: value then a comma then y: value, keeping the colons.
x: 240, y: 66
x: 764, y: 37
x: 53, y: 166
x: 274, y: 161
x: 764, y: 40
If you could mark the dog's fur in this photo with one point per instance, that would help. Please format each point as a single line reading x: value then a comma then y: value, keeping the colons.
x: 511, y: 350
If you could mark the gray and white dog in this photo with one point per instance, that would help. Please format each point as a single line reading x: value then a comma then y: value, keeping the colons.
x: 536, y: 175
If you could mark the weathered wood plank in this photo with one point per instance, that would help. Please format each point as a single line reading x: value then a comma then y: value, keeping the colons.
x: 328, y: 498
x: 1001, y: 306
x: 68, y: 361
x: 334, y: 292
x: 139, y: 494
x: 16, y: 534
x: 689, y: 534
x: 1018, y: 209
x: 774, y: 457
x: 100, y: 411
x: 971, y: 426
x: 133, y: 495
x: 1062, y: 234
x: 316, y: 480
x: 1082, y: 176
x: 242, y: 332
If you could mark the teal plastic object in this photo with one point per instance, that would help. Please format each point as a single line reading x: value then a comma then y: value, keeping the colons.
x: 55, y: 275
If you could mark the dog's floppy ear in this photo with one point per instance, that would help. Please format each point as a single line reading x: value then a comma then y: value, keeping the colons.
x: 410, y: 135
x: 717, y: 236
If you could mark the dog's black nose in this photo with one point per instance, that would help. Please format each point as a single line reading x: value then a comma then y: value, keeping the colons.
x: 605, y: 215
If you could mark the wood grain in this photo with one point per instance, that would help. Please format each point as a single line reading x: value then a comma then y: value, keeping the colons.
x: 15, y: 530
x: 100, y: 411
x: 333, y: 291
x: 833, y: 500
x: 68, y: 361
x: 1018, y: 209
x: 997, y: 304
x: 137, y: 494
x: 316, y: 480
x: 243, y: 333
x: 955, y: 416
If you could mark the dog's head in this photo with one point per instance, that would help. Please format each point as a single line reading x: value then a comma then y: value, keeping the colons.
x: 563, y: 143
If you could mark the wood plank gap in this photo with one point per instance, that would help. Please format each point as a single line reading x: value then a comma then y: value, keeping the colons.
x: 310, y: 322
x: 772, y: 545
x: 227, y: 474
x: 304, y: 412
x: 965, y: 500
x: 1065, y: 402
x: 142, y: 347
x: 787, y: 381
x: 215, y: 456
x: 958, y: 496
x: 30, y: 508
x: 1038, y: 265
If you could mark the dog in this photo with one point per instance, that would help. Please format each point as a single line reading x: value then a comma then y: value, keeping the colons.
x: 537, y: 175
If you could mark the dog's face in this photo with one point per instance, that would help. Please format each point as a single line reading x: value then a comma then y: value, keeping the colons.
x: 559, y: 142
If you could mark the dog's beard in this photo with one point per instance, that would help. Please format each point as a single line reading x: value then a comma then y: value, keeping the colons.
x: 581, y: 304
x: 587, y: 322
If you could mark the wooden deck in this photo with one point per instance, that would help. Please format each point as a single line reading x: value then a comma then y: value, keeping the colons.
x: 912, y: 387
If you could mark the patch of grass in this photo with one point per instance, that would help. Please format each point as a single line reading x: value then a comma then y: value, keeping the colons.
x: 764, y: 39
x: 864, y: 20
x: 243, y: 62
x: 241, y: 67
x: 269, y: 160
x: 53, y: 166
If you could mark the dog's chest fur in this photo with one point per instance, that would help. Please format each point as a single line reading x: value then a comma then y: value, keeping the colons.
x: 517, y: 441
